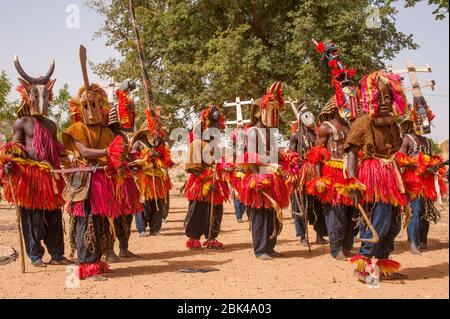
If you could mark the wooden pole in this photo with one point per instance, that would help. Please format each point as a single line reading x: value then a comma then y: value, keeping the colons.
x: 375, y: 238
x: 19, y: 227
x: 305, y: 218
x: 149, y: 100
x: 211, y: 209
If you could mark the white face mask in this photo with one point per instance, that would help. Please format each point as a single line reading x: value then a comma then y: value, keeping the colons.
x: 307, y: 118
x: 422, y: 125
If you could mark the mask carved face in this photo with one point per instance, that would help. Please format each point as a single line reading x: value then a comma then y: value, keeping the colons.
x: 422, y: 116
x: 307, y: 118
x: 385, y: 100
x: 214, y: 116
x: 37, y: 92
x: 39, y: 97
x: 271, y: 105
x: 91, y: 112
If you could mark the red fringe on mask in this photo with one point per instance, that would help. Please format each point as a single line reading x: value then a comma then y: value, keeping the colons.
x: 46, y: 146
x: 199, y: 188
x: 370, y: 91
x: 34, y: 186
x: 254, y: 185
x: 317, y: 154
x: 381, y: 181
x: 116, y: 152
x: 102, y: 196
x: 128, y: 196
x: 87, y: 270
x: 388, y: 266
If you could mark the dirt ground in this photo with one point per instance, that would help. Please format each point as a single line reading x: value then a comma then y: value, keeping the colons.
x: 239, y: 275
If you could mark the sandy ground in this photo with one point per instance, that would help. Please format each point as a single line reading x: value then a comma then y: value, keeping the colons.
x: 239, y: 275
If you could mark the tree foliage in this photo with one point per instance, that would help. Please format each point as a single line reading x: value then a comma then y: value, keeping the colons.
x: 441, y: 10
x: 59, y: 111
x: 7, y: 109
x: 210, y: 51
x: 5, y: 88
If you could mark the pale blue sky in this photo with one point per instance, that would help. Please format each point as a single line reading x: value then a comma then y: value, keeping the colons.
x: 36, y: 31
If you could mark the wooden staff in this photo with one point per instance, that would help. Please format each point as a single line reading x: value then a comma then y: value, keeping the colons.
x: 145, y: 78
x: 211, y: 210
x: 22, y: 250
x: 305, y: 219
x: 375, y: 238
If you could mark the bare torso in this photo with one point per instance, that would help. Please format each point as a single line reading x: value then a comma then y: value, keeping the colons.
x: 413, y: 144
x: 333, y: 137
x: 309, y: 140
x: 23, y: 132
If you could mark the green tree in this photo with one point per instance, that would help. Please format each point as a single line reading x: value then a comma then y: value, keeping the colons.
x: 441, y: 10
x: 5, y: 88
x: 209, y: 51
x: 436, y: 150
x: 59, y: 111
x: 7, y: 109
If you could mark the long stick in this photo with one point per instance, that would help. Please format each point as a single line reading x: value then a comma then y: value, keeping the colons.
x: 22, y: 255
x: 211, y: 210
x: 145, y: 78
x: 375, y: 238
x: 305, y: 220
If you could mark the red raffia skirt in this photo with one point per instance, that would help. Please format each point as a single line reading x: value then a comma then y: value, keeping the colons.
x: 152, y: 186
x: 324, y: 187
x: 199, y: 188
x: 252, y: 188
x: 307, y: 173
x: 35, y: 188
x: 102, y: 197
x: 424, y: 185
x: 128, y: 196
x: 383, y: 182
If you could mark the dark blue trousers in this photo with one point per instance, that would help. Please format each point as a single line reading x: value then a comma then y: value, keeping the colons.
x: 122, y: 226
x: 264, y: 223
x: 89, y: 254
x: 198, y: 220
x: 151, y: 216
x: 239, y: 208
x: 42, y: 225
x: 385, y: 219
x: 418, y: 227
x: 340, y: 226
x: 315, y: 217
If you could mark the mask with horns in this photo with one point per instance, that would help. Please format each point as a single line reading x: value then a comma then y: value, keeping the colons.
x: 36, y: 93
